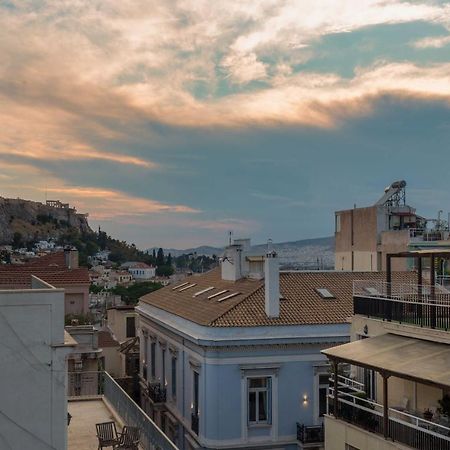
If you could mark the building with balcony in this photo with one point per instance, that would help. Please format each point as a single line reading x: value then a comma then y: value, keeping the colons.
x: 396, y: 392
x: 364, y: 236
x: 106, y: 401
x: 232, y: 358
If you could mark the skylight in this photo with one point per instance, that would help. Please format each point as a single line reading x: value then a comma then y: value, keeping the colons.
x: 228, y: 296
x: 187, y: 287
x: 217, y: 293
x: 180, y: 285
x: 203, y: 291
x: 325, y: 293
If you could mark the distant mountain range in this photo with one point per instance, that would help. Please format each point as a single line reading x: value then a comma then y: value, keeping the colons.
x: 303, y: 254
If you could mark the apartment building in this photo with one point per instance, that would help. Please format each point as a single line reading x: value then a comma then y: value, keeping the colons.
x: 60, y: 269
x: 33, y: 377
x: 396, y: 394
x: 232, y: 358
x: 364, y: 236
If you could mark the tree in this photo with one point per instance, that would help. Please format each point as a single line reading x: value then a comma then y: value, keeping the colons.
x: 17, y: 240
x: 160, y: 257
x: 164, y: 271
x: 169, y: 260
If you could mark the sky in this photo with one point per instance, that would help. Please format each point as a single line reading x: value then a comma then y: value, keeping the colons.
x: 174, y: 122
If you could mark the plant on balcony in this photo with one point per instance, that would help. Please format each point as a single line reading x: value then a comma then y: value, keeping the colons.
x: 444, y: 404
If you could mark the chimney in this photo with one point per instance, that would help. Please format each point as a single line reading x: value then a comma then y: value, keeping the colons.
x: 272, y: 284
x: 71, y: 257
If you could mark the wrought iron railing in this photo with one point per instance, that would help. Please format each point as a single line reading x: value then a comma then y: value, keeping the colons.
x: 421, y: 305
x: 403, y: 427
x: 103, y: 385
x: 157, y: 393
x: 310, y: 434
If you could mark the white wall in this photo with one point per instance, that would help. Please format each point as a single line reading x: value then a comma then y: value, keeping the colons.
x: 33, y: 413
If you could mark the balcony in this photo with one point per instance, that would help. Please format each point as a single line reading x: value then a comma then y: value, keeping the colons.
x: 156, y: 393
x: 102, y: 399
x: 420, y: 305
x: 310, y: 434
x: 402, y: 427
x: 195, y: 420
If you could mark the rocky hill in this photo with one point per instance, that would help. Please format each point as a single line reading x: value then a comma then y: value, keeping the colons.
x: 37, y: 221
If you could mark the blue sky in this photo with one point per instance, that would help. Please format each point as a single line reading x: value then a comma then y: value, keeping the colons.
x: 174, y: 122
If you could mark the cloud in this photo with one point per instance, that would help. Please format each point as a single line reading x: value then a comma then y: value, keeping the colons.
x: 432, y: 42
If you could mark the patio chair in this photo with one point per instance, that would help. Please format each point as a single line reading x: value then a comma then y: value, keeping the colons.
x: 129, y: 438
x: 107, y: 435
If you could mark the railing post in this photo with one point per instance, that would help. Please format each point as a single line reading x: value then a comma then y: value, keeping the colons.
x: 385, y: 405
x: 433, y: 292
x: 335, y: 388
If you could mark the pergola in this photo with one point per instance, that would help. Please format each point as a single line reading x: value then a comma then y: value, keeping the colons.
x: 392, y: 355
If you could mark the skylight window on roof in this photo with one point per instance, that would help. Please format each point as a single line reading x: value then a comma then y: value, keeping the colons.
x: 203, y: 291
x: 179, y: 286
x: 325, y: 293
x: 228, y: 296
x: 217, y: 293
x: 187, y: 287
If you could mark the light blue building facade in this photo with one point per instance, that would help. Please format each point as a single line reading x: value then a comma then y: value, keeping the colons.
x: 245, y: 378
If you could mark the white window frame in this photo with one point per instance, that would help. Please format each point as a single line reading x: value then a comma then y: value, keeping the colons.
x: 257, y: 391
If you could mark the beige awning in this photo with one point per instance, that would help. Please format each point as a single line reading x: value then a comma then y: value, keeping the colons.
x: 404, y: 357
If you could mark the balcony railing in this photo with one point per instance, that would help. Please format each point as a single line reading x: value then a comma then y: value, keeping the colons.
x: 157, y: 393
x: 101, y: 384
x: 403, y: 427
x: 310, y: 434
x: 421, y: 305
x: 195, y: 420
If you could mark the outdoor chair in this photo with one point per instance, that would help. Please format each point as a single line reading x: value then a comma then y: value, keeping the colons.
x: 129, y: 438
x: 107, y: 435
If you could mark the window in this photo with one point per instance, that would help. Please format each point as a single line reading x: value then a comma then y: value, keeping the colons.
x: 131, y: 328
x: 323, y: 390
x: 259, y: 400
x: 174, y: 377
x: 338, y: 223
x: 163, y: 357
x: 153, y: 358
x: 325, y: 293
x: 195, y: 394
x: 144, y: 359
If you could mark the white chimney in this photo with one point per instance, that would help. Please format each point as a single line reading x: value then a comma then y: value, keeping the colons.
x: 272, y: 284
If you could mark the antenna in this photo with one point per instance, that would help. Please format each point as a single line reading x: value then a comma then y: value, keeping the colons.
x: 230, y: 236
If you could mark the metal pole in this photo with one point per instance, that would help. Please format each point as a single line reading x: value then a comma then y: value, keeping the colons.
x: 389, y: 287
x: 335, y: 388
x: 433, y: 291
x: 385, y: 406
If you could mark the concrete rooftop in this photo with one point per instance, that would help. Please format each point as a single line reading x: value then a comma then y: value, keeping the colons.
x: 85, y: 414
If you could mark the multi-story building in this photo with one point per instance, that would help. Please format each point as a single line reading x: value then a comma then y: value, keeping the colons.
x: 60, y: 269
x: 396, y: 395
x: 364, y: 236
x: 231, y: 358
x: 33, y: 413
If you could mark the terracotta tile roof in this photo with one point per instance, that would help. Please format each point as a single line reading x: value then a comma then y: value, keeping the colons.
x: 301, y: 303
x: 50, y: 268
x: 200, y: 309
x: 106, y: 339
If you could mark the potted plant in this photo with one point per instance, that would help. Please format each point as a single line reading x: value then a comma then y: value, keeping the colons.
x: 444, y: 405
x: 427, y: 414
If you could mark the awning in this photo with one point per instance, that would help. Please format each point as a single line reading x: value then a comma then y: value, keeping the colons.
x: 414, y: 359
